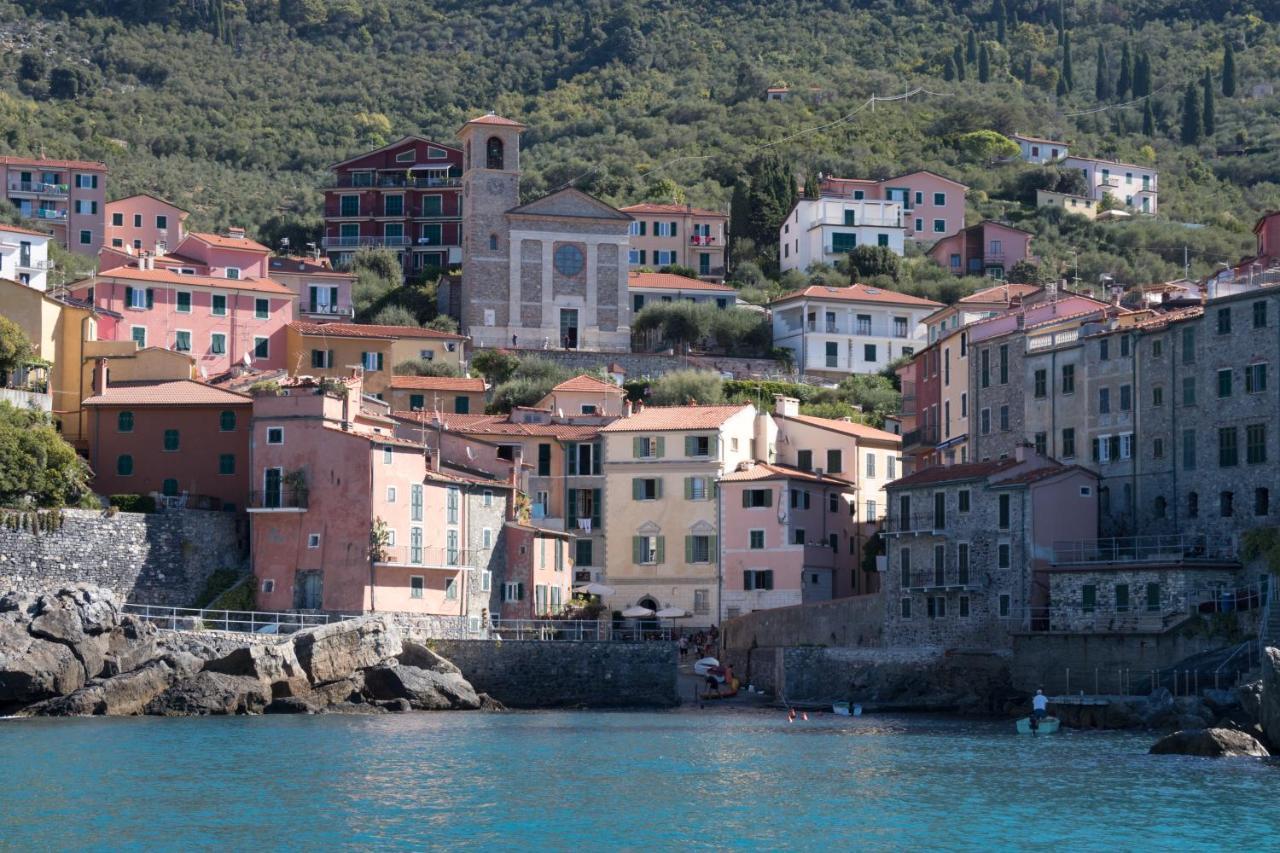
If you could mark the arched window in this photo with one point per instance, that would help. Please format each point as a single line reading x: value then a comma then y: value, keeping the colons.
x: 493, y: 153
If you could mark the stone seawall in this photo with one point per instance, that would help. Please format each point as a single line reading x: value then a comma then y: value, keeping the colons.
x: 161, y: 558
x: 533, y: 674
x: 856, y: 621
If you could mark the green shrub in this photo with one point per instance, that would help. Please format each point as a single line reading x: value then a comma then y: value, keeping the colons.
x: 133, y: 503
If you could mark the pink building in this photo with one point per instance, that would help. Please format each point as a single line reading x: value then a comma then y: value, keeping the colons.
x: 988, y: 249
x: 787, y: 533
x: 219, y: 321
x: 144, y: 223
x: 68, y: 196
x: 539, y: 577
x: 932, y: 206
x: 328, y: 471
x: 177, y: 438
x: 324, y: 294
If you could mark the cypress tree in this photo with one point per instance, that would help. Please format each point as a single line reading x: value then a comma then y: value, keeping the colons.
x: 984, y: 65
x: 1125, y: 82
x: 1228, y: 71
x: 1210, y: 117
x: 1142, y: 75
x: 1102, y: 76
x: 957, y: 56
x: 1192, y: 116
x: 1062, y: 21
x: 1067, y: 76
x: 1062, y: 86
x: 949, y: 70
x: 1148, y: 119
x: 739, y: 214
x: 1001, y: 15
x: 970, y: 48
x: 811, y: 185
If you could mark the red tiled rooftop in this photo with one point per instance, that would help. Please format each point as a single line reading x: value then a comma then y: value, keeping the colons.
x: 846, y: 427
x: 1001, y: 293
x: 368, y: 330
x: 167, y: 392
x: 14, y: 229
x: 222, y: 241
x: 495, y: 120
x: 857, y: 293
x: 670, y: 281
x: 588, y: 384
x: 767, y: 471
x: 663, y: 418
x: 40, y: 163
x: 438, y: 383
x: 953, y: 473
x: 675, y: 209
x: 303, y: 266
x: 167, y: 276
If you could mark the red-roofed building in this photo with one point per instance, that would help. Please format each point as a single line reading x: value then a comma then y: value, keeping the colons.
x: 836, y: 331
x: 988, y: 249
x: 647, y: 288
x: 932, y: 205
x: 680, y: 234
x: 405, y: 196
x: 180, y: 439
x: 324, y: 294
x: 24, y: 256
x: 460, y: 395
x: 332, y: 349
x: 68, y: 196
x: 144, y: 223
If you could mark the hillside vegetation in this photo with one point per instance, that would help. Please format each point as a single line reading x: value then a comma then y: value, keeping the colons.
x: 234, y: 108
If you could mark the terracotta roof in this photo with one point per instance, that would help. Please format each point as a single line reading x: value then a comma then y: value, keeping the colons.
x: 676, y: 209
x: 857, y: 293
x: 1105, y: 160
x: 766, y: 471
x: 53, y: 164
x: 183, y: 214
x: 502, y: 427
x: 1039, y: 139
x: 670, y: 281
x: 585, y: 383
x: 1035, y: 475
x: 846, y: 427
x: 363, y: 330
x: 166, y: 276
x: 663, y: 418
x: 167, y: 392
x: 290, y: 265
x: 222, y: 241
x: 438, y: 383
x: 496, y: 120
x: 1001, y: 293
x: 1162, y: 320
x: 924, y: 172
x: 14, y: 229
x: 953, y: 473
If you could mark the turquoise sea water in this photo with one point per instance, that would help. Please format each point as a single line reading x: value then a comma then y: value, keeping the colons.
x: 560, y: 780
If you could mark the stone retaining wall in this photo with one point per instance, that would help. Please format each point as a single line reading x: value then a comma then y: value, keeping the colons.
x: 533, y: 674
x: 856, y: 621
x: 162, y: 558
x: 639, y: 365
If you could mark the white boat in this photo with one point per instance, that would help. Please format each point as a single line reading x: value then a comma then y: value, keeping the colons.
x: 846, y: 709
x: 1046, y: 726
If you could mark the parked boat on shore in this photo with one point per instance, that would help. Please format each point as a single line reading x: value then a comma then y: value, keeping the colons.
x: 1045, y: 726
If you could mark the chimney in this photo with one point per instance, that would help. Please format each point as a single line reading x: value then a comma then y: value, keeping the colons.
x: 235, y: 232
x: 1020, y: 453
x: 787, y: 407
x: 626, y: 409
x: 101, y: 374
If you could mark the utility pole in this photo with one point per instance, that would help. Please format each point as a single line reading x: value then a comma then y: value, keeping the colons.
x: 1186, y: 262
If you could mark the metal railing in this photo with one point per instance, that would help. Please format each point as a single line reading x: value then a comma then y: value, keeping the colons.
x: 921, y: 436
x: 234, y: 621
x: 358, y: 242
x: 577, y: 631
x: 55, y: 215
x: 395, y: 181
x: 39, y: 187
x: 925, y: 522
x: 278, y: 499
x: 328, y: 310
x: 703, y: 240
x: 949, y: 579
x: 1271, y: 593
x: 1179, y: 547
x: 427, y: 557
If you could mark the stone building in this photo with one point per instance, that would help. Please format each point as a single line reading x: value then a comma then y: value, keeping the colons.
x: 968, y: 547
x: 549, y: 273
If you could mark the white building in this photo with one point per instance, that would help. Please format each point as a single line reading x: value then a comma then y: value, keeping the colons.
x: 24, y: 256
x: 1134, y: 186
x: 837, y: 331
x: 824, y: 229
x: 1037, y: 150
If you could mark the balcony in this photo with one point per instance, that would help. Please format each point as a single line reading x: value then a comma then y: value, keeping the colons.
x: 49, y: 215
x: 424, y: 557
x: 1172, y: 548
x: 831, y: 328
x: 921, y: 523
x: 711, y: 272
x: 358, y: 242
x: 278, y: 500
x: 703, y: 240
x: 934, y: 581
x: 320, y: 310
x: 344, y: 182
x: 29, y: 264
x: 922, y: 437
x: 39, y: 188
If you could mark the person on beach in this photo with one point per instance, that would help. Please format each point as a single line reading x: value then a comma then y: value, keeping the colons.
x: 1040, y: 705
x: 683, y: 645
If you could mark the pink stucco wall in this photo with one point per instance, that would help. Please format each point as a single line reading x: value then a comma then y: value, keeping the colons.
x: 146, y: 235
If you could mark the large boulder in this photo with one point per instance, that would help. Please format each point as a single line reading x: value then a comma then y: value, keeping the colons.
x: 1250, y: 695
x: 274, y: 664
x: 1209, y: 743
x: 34, y: 669
x: 130, y: 645
x: 333, y: 652
x: 425, y: 690
x: 211, y: 693
x: 121, y: 695
x: 416, y: 654
x: 1269, y: 701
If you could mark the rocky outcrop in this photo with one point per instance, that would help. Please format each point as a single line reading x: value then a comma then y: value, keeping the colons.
x: 71, y: 652
x: 1210, y: 743
x: 1269, y: 698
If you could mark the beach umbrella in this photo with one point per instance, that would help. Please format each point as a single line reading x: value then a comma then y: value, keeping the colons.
x: 595, y: 589
x: 637, y: 612
x: 672, y: 613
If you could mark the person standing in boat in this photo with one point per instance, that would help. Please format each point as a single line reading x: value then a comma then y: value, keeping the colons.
x: 1040, y: 705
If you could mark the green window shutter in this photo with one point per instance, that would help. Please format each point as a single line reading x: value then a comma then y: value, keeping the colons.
x: 688, y: 488
x: 688, y: 549
x: 571, y: 506
x: 637, y: 545
x: 637, y: 447
x: 571, y: 458
x: 713, y: 549
x: 746, y: 498
x: 657, y: 487
x: 637, y: 486
x: 690, y: 445
x: 151, y: 298
x: 520, y: 592
x: 768, y: 497
x: 595, y: 509
x: 642, y: 225
x: 128, y: 296
x: 597, y: 450
x: 662, y: 549
x: 673, y: 230
x: 713, y: 444
x: 662, y: 447
x: 379, y: 361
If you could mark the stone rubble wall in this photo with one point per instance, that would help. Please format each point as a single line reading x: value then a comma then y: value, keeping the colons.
x: 639, y: 365
x: 158, y: 558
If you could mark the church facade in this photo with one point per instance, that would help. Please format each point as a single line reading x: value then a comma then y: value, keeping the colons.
x: 551, y: 273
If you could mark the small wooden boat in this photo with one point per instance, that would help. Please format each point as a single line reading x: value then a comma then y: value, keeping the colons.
x: 1044, y: 726
x: 846, y: 709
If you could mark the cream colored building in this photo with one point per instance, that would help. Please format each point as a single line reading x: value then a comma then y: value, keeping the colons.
x: 661, y: 504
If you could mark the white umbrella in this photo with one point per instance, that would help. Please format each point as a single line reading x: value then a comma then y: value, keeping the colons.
x: 672, y: 613
x: 637, y: 612
x: 594, y: 588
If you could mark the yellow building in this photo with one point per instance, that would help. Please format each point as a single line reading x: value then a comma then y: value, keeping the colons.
x: 584, y: 395
x: 333, y: 349
x: 662, y: 507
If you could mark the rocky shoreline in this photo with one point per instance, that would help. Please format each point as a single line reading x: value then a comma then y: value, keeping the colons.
x: 71, y: 651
